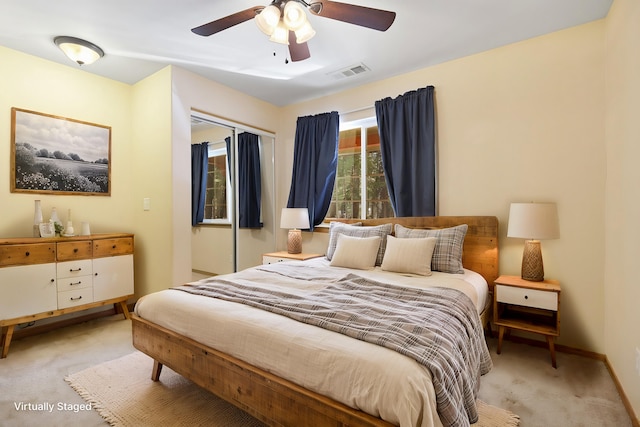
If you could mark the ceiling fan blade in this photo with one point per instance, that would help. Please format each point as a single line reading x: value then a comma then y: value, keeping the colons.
x: 376, y: 19
x: 298, y: 51
x: 227, y: 22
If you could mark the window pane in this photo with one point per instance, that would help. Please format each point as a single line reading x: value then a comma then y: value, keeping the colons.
x: 378, y: 204
x: 346, y: 200
x: 216, y: 201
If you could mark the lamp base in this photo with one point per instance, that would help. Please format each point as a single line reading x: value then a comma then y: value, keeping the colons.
x: 532, y: 267
x: 294, y: 241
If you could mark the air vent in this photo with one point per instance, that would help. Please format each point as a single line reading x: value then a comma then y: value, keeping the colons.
x: 351, y: 71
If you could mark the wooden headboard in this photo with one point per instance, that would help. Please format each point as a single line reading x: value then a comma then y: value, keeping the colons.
x: 480, y: 251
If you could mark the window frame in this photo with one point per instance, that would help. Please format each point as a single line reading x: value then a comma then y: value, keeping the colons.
x: 212, y: 151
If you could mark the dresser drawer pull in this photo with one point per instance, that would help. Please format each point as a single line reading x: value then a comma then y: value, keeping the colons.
x: 76, y: 299
x: 76, y: 283
x: 27, y: 253
x: 53, y: 280
x: 526, y: 297
x: 75, y: 251
x: 71, y: 270
x: 113, y: 247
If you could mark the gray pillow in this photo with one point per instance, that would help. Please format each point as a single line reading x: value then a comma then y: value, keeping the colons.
x: 447, y: 255
x: 353, y: 230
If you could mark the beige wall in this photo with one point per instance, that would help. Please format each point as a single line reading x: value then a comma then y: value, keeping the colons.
x: 621, y: 287
x: 151, y: 145
x: 191, y: 91
x: 519, y: 123
x: 35, y: 84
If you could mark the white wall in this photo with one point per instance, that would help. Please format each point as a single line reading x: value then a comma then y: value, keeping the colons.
x: 621, y: 287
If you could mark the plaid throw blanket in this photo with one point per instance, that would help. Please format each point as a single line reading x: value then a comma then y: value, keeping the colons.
x: 438, y: 327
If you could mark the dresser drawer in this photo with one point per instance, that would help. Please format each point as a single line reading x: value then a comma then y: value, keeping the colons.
x: 546, y: 300
x: 75, y: 297
x: 73, y: 283
x: 74, y: 269
x: 36, y: 253
x: 74, y: 250
x: 112, y: 247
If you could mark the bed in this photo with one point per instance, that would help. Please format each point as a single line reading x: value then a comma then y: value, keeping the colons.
x: 287, y: 372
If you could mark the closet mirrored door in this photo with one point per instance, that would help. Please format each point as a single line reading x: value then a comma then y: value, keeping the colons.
x: 236, y: 223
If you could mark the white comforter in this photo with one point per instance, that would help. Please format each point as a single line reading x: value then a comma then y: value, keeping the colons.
x: 364, y: 376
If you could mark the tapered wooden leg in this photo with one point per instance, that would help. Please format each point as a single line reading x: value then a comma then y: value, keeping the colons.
x: 125, y: 309
x: 500, y: 336
x: 552, y: 350
x: 157, y: 369
x: 6, y: 340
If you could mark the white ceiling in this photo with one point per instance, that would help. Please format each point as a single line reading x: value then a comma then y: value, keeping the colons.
x: 140, y: 37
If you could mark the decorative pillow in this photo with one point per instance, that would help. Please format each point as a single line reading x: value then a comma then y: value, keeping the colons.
x: 337, y: 228
x: 447, y: 255
x: 356, y: 252
x: 409, y: 255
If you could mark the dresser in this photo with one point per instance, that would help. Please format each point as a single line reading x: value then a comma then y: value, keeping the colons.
x: 48, y: 277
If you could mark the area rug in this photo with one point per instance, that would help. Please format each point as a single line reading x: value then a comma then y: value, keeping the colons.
x: 122, y: 392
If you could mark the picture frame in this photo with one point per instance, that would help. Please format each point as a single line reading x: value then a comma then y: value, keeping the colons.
x: 59, y: 155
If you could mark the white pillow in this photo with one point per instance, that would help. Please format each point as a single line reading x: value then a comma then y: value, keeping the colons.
x: 409, y: 255
x: 357, y: 230
x: 356, y: 252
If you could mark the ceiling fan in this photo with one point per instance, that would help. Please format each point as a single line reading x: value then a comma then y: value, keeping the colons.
x: 286, y: 22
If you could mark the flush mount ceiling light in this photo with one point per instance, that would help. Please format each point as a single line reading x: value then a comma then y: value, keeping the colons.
x: 80, y: 51
x: 285, y: 21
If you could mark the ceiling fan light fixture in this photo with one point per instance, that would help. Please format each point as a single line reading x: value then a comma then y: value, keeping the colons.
x: 294, y: 16
x: 280, y: 34
x: 268, y: 19
x: 304, y: 33
x: 79, y: 51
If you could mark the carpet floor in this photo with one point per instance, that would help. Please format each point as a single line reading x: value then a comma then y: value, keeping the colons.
x: 122, y: 392
x: 580, y: 393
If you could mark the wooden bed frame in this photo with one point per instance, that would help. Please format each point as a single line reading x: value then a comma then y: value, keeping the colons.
x: 275, y: 400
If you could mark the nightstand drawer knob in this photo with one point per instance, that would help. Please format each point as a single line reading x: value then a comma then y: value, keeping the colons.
x: 526, y: 297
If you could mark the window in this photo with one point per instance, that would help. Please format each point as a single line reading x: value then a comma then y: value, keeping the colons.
x: 217, y: 207
x: 360, y: 183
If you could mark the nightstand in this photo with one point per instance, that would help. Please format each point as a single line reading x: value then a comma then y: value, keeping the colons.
x: 274, y: 257
x: 527, y: 306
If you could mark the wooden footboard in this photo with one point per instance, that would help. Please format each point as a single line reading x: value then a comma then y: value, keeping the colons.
x: 267, y: 397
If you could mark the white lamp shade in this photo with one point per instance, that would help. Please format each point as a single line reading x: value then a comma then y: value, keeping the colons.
x: 280, y: 34
x: 535, y: 221
x: 294, y: 218
x: 294, y: 16
x: 267, y: 19
x: 304, y: 33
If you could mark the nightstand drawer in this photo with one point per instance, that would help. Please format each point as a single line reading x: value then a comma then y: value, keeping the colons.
x: 527, y: 297
x: 273, y: 260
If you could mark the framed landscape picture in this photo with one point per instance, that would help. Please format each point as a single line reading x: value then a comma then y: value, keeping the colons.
x: 56, y: 155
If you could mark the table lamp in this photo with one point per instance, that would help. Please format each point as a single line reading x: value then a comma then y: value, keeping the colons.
x: 534, y: 222
x: 294, y: 219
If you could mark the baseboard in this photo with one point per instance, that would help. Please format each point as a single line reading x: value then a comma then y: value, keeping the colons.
x: 635, y: 422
